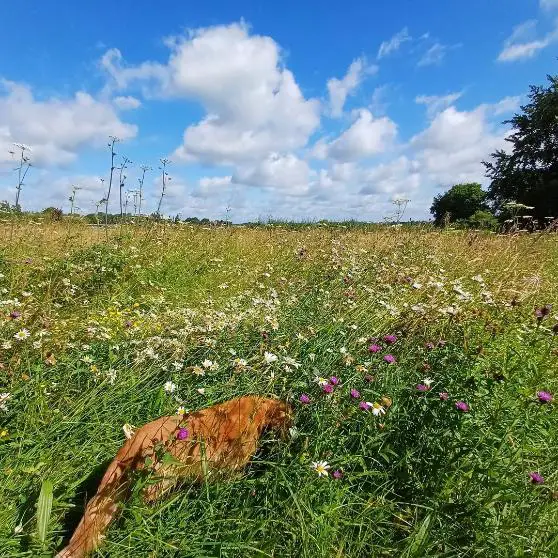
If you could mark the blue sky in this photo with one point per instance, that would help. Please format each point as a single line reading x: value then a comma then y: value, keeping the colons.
x: 296, y: 110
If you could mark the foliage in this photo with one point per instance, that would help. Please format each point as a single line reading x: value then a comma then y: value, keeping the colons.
x: 459, y: 202
x: 529, y: 174
x: 482, y: 219
x: 93, y: 324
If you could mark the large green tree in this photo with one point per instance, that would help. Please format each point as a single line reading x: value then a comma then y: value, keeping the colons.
x: 459, y: 202
x: 529, y: 173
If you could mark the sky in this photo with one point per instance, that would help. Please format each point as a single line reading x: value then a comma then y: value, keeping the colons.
x: 288, y: 110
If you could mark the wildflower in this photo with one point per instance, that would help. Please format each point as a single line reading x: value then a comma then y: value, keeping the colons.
x: 365, y: 406
x: 337, y: 474
x: 462, y: 406
x: 291, y: 362
x: 427, y: 382
x: 536, y: 478
x: 128, y: 430
x: 355, y: 394
x: 390, y: 359
x: 293, y: 432
x: 181, y: 411
x: 198, y: 370
x: 169, y: 387
x: 3, y: 398
x: 182, y: 434
x: 374, y: 348
x: 240, y: 363
x: 312, y: 357
x: 544, y: 396
x: 207, y: 363
x: 378, y: 410
x: 201, y: 391
x: 321, y: 381
x: 7, y: 345
x: 369, y: 378
x: 542, y: 312
x: 321, y: 467
x: 22, y: 334
x: 444, y: 395
x: 328, y: 388
x: 386, y: 401
x: 3, y: 433
x: 334, y: 380
x: 269, y: 357
x: 14, y: 314
x: 429, y: 346
x: 390, y: 339
x: 422, y: 387
x: 304, y: 399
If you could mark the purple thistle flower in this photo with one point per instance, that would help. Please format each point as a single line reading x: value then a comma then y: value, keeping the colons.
x: 304, y: 399
x: 462, y: 406
x: 536, y: 478
x: 364, y: 406
x: 355, y: 394
x: 430, y: 345
x: 374, y: 348
x: 444, y: 395
x: 14, y: 314
x: 337, y: 474
x: 390, y: 359
x: 542, y: 312
x: 128, y: 323
x: 328, y: 388
x: 390, y: 339
x: 334, y: 380
x: 183, y: 433
x: 422, y: 387
x: 544, y: 396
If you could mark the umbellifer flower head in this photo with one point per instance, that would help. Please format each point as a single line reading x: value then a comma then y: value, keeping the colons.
x: 321, y: 468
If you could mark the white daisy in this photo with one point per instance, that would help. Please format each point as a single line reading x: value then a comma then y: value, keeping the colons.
x: 321, y: 468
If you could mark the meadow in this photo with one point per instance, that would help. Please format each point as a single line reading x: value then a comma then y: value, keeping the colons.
x: 422, y: 365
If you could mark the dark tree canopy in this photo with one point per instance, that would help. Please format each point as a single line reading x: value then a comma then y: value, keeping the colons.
x: 459, y: 202
x: 529, y: 174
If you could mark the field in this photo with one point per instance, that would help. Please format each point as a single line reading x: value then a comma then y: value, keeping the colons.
x: 439, y: 349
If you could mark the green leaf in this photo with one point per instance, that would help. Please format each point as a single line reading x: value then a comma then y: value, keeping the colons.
x: 44, y: 507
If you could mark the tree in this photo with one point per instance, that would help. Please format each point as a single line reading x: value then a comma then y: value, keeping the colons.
x: 529, y: 174
x: 459, y: 202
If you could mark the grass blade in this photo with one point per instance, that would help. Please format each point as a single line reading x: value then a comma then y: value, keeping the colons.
x: 44, y: 507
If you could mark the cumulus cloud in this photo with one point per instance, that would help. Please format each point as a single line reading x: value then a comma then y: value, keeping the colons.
x: 127, y: 103
x: 393, y: 44
x: 254, y: 105
x: 454, y: 144
x: 523, y: 43
x: 436, y: 103
x: 56, y: 129
x: 339, y: 89
x: 367, y: 136
x: 287, y: 173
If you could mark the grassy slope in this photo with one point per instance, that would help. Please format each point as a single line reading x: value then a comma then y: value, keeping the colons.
x: 423, y: 480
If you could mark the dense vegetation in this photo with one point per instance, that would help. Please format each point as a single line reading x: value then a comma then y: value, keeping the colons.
x: 428, y: 358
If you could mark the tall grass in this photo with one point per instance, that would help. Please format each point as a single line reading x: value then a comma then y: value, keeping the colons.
x: 110, y: 321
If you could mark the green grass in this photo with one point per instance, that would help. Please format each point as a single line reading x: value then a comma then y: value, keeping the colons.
x: 117, y: 319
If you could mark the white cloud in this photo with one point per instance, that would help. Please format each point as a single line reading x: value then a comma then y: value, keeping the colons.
x: 505, y: 105
x: 127, y: 103
x: 365, y: 137
x: 523, y: 42
x: 339, y: 89
x: 434, y: 55
x: 393, y: 44
x: 451, y: 149
x: 56, y: 129
x: 287, y: 173
x: 254, y: 105
x: 549, y: 4
x: 436, y: 103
